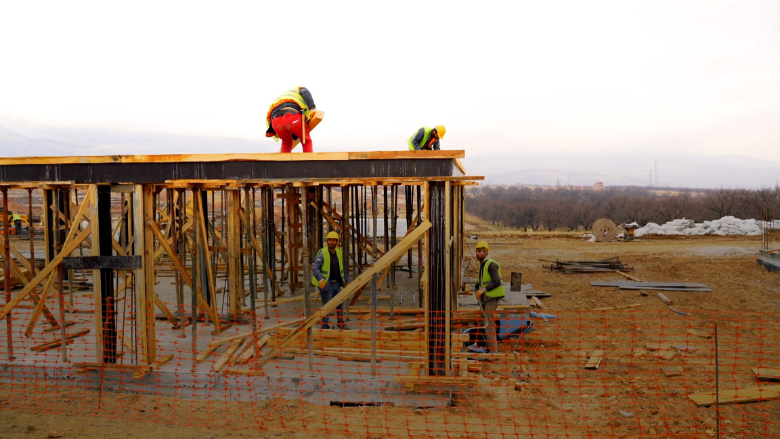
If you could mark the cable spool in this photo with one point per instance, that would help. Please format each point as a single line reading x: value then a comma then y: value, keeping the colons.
x: 604, y: 230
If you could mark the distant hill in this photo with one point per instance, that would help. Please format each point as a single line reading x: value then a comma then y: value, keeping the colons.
x: 626, y: 169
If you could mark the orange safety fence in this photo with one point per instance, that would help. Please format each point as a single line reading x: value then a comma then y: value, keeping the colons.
x: 596, y: 374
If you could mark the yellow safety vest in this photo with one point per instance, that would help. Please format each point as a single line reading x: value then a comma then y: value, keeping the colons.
x: 326, y: 266
x: 291, y: 95
x: 426, y: 136
x: 485, y: 277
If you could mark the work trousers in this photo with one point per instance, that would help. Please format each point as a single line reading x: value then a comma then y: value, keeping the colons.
x: 489, y: 314
x: 288, y: 125
x: 330, y: 291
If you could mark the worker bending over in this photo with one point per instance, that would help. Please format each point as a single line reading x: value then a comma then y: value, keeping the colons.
x: 489, y: 291
x: 328, y: 274
x: 16, y: 221
x: 426, y: 138
x: 288, y: 118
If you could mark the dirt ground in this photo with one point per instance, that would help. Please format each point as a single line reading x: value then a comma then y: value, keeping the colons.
x: 627, y: 396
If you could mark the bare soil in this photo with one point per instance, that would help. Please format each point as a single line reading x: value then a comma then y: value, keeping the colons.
x: 627, y: 396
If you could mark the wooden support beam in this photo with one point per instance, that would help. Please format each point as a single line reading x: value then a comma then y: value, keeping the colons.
x: 42, y: 274
x: 350, y: 289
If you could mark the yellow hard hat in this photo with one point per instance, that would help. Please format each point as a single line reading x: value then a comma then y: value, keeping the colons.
x: 333, y: 235
x: 482, y: 244
x: 441, y: 130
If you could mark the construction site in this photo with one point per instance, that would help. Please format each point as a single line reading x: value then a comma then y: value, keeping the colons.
x: 172, y: 296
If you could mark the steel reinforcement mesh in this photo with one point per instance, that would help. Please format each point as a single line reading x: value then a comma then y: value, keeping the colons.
x: 610, y: 374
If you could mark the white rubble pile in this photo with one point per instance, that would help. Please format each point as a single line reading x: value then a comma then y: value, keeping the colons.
x: 728, y: 225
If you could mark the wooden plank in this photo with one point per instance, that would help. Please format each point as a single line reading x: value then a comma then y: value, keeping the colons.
x: 658, y: 346
x: 536, y: 301
x: 251, y: 351
x: 414, y: 371
x: 699, y: 333
x: 223, y: 360
x: 244, y: 157
x: 67, y: 249
x: 672, y: 371
x: 39, y: 308
x: 57, y: 342
x: 350, y: 289
x: 766, y: 373
x: 244, y: 372
x: 144, y: 241
x: 595, y: 359
x: 613, y: 308
x: 436, y: 380
x: 145, y: 369
x: 750, y: 394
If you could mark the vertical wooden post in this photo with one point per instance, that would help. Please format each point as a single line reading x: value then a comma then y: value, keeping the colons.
x: 234, y: 252
x: 31, y: 232
x: 373, y: 282
x: 96, y: 278
x: 197, y: 280
x: 143, y: 243
x: 7, y: 274
x: 345, y: 238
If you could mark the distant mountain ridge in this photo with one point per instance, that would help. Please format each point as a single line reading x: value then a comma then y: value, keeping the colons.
x: 625, y: 168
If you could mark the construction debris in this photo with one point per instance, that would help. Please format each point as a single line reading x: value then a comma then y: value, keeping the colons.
x: 658, y: 286
x: 607, y: 265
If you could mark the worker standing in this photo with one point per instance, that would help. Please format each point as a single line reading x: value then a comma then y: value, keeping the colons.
x: 288, y: 117
x: 426, y: 138
x: 489, y: 291
x: 328, y: 274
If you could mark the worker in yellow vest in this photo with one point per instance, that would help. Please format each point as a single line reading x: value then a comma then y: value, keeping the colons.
x: 328, y: 274
x: 288, y: 119
x: 489, y: 291
x: 426, y: 138
x: 15, y: 220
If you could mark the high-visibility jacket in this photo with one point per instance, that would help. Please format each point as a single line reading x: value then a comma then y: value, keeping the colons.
x: 325, y: 269
x: 484, y: 279
x: 424, y: 142
x: 14, y: 218
x: 292, y: 95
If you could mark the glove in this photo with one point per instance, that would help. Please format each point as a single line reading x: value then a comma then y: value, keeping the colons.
x: 323, y: 283
x: 479, y: 294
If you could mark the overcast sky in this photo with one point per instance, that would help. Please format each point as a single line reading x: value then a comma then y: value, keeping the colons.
x: 522, y: 76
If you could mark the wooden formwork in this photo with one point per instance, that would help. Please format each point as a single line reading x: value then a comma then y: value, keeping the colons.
x: 208, y: 218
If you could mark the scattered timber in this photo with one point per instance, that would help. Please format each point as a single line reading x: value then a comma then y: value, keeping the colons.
x: 658, y: 286
x: 606, y: 265
x: 751, y: 394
